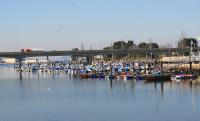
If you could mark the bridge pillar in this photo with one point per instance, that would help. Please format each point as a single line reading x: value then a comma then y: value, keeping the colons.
x: 69, y: 65
x: 89, y: 60
x: 47, y: 58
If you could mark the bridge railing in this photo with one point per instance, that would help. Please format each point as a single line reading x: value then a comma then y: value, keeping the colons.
x: 94, y: 52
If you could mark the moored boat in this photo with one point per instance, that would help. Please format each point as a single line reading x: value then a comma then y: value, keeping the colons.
x: 158, y: 77
x: 180, y: 77
x: 110, y: 77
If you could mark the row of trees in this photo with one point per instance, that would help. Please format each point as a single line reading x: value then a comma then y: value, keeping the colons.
x: 122, y: 45
x: 130, y: 45
x: 183, y: 43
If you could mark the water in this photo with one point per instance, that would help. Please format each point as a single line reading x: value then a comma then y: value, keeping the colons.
x: 64, y: 97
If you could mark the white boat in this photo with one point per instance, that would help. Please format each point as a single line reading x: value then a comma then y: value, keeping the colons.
x: 179, y: 77
x: 176, y: 78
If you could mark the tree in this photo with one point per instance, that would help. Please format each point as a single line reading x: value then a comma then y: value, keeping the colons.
x: 130, y: 44
x: 186, y: 43
x: 148, y: 45
x: 119, y: 45
x: 107, y: 48
x: 143, y: 45
x: 153, y: 45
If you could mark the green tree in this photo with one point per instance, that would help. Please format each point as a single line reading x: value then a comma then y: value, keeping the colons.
x: 119, y: 45
x: 107, y: 48
x: 153, y: 45
x: 186, y: 43
x: 148, y: 45
x: 130, y: 44
x: 143, y: 45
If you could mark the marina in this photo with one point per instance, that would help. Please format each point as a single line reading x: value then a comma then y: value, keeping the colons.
x: 99, y: 60
x: 92, y: 88
x: 121, y: 65
x: 93, y: 99
x: 118, y: 69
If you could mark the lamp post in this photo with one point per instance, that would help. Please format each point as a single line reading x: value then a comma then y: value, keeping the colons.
x: 151, y: 65
x: 191, y: 43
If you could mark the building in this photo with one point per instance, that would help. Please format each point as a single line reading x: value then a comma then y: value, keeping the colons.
x: 195, y: 56
x: 8, y: 60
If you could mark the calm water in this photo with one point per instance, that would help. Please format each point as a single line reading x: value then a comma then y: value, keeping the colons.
x: 64, y: 97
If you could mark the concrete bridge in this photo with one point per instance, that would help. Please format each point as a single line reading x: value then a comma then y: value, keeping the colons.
x: 90, y: 53
x: 93, y: 52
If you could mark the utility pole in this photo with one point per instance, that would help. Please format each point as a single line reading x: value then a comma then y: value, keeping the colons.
x: 191, y: 43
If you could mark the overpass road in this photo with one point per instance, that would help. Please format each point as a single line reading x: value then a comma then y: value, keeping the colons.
x: 93, y: 52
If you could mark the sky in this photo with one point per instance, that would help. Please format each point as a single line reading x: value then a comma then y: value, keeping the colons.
x: 67, y: 24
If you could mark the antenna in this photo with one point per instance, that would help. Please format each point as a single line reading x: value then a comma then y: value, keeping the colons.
x: 150, y: 42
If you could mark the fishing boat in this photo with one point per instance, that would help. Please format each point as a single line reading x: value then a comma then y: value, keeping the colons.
x: 34, y: 68
x: 110, y: 77
x: 125, y: 76
x: 128, y: 77
x: 93, y: 76
x: 139, y: 77
x: 84, y: 76
x: 158, y: 77
x: 101, y: 76
x: 180, y: 77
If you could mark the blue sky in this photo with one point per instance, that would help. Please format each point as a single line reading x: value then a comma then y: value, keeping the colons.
x: 66, y: 24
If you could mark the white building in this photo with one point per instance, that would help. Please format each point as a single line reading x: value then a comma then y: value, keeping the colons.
x: 195, y: 56
x: 8, y: 60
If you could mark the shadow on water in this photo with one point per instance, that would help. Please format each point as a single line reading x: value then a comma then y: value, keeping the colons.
x: 65, y: 95
x: 159, y: 86
x: 111, y: 83
x: 20, y: 75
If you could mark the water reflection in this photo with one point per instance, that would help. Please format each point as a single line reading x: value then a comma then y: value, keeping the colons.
x: 159, y: 87
x: 20, y: 75
x: 111, y: 83
x: 63, y: 96
x: 161, y: 84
